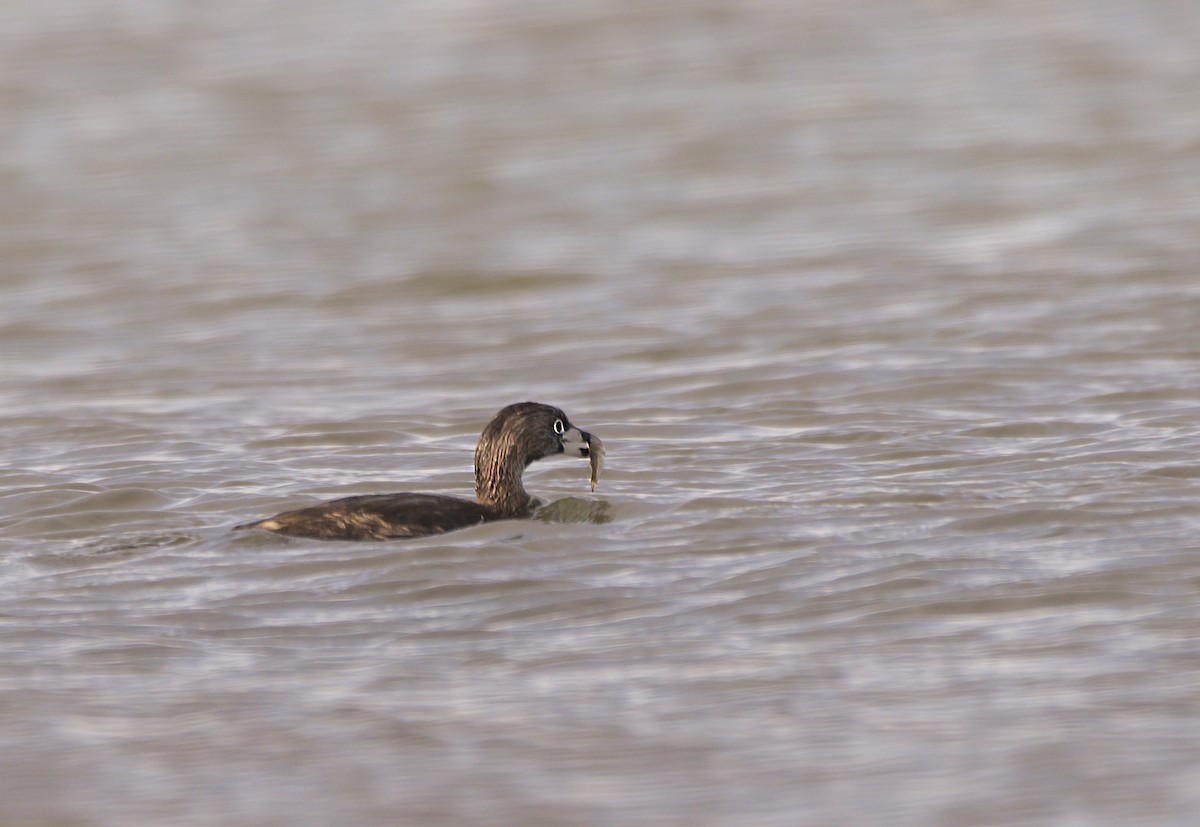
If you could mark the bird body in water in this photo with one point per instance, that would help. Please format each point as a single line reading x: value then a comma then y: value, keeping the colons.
x: 517, y: 436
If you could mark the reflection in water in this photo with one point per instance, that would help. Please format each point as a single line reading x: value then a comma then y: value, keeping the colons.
x: 576, y: 510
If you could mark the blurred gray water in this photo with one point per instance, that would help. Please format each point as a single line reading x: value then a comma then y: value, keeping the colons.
x: 888, y: 316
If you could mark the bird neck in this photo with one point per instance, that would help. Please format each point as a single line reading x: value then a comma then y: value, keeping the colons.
x: 498, y: 470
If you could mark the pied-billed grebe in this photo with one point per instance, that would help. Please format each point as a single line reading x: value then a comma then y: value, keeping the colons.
x: 515, y: 437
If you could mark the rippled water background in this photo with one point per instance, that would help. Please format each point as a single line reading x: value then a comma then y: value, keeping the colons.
x: 889, y: 316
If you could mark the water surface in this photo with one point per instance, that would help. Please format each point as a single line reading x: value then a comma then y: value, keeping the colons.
x: 886, y: 313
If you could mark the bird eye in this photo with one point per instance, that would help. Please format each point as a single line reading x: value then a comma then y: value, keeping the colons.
x: 559, y: 427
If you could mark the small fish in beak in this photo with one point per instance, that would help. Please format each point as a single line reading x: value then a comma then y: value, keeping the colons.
x: 596, y: 457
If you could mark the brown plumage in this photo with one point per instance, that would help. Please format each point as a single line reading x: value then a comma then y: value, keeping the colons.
x: 516, y: 436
